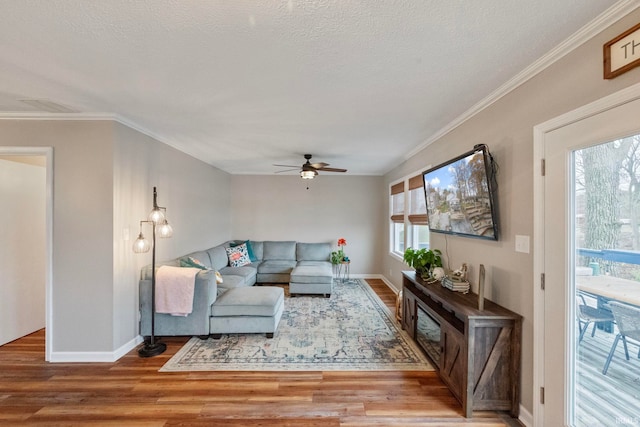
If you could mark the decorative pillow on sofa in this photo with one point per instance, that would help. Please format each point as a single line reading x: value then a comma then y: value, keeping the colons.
x: 238, y: 256
x: 192, y: 262
x: 252, y: 256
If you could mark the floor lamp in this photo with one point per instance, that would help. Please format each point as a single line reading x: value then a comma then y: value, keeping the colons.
x: 160, y: 226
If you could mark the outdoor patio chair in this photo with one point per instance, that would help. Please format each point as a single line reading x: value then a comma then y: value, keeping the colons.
x: 628, y: 321
x: 588, y: 314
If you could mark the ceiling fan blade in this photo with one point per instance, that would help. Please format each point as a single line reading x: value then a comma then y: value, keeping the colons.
x: 310, y: 167
x: 331, y: 170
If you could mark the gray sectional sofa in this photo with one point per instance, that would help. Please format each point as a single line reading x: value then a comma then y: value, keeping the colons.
x: 305, y: 266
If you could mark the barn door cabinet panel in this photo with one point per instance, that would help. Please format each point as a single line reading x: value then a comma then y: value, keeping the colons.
x: 476, y: 353
x: 408, y: 314
x: 453, y: 360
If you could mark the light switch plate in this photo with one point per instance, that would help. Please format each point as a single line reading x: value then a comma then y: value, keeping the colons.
x: 522, y: 244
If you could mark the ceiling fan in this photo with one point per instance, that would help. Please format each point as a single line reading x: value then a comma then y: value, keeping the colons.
x: 309, y: 170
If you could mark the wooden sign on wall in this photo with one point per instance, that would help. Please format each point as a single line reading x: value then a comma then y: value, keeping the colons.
x: 622, y: 53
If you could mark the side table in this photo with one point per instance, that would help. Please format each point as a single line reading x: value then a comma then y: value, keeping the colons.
x: 343, y: 272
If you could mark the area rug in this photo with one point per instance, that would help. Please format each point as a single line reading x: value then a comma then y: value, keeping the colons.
x: 352, y: 330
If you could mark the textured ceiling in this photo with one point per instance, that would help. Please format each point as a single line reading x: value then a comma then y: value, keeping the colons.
x: 246, y: 84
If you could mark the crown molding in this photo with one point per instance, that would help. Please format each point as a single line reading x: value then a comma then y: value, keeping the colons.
x: 160, y: 138
x: 600, y: 23
x: 29, y: 115
x: 20, y: 115
x: 93, y: 117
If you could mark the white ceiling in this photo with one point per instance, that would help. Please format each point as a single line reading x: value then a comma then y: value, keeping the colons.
x: 245, y: 84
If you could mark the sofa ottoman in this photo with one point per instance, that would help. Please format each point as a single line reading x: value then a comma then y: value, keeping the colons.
x: 247, y: 310
x: 312, y: 278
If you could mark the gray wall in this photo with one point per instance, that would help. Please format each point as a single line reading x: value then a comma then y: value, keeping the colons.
x: 197, y: 198
x: 507, y: 127
x: 277, y: 207
x: 103, y: 177
x: 82, y: 227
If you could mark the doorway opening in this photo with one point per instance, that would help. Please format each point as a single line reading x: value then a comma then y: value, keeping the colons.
x: 29, y: 224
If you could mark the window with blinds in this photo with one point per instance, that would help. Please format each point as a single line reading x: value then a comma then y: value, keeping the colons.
x: 417, y: 204
x: 397, y: 219
x: 409, y: 221
x: 397, y: 202
x: 418, y: 220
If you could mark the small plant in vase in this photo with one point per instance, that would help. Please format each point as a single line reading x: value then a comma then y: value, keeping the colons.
x: 338, y: 256
x: 423, y: 261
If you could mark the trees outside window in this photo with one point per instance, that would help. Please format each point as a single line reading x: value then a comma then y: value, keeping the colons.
x: 608, y: 201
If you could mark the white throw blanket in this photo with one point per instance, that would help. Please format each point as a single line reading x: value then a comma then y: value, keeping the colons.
x: 174, y: 290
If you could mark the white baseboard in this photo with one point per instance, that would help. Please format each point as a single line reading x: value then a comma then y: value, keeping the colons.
x: 128, y: 347
x: 94, y: 356
x: 525, y: 417
x: 377, y: 276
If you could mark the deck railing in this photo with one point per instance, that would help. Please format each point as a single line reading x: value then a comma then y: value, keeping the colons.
x: 615, y: 255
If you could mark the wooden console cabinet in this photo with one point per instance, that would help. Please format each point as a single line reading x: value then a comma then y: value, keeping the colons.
x: 478, y: 353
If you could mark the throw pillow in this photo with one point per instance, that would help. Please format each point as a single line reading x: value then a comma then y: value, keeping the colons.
x: 238, y: 256
x: 252, y: 256
x: 192, y: 262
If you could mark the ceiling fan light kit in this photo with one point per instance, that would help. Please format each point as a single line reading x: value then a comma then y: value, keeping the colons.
x: 309, y: 170
x: 308, y: 174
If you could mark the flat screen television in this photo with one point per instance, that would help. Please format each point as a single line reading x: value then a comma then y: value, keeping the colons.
x: 460, y: 195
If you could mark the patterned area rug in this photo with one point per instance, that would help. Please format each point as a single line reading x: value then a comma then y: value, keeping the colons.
x: 352, y: 330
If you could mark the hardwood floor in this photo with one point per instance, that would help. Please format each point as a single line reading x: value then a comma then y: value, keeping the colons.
x: 131, y: 392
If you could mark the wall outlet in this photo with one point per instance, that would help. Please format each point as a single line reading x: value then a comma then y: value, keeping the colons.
x: 390, y: 272
x: 522, y: 244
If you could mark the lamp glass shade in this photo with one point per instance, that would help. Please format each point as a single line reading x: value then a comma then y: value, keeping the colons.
x: 141, y: 245
x: 156, y: 215
x: 308, y: 174
x: 165, y: 230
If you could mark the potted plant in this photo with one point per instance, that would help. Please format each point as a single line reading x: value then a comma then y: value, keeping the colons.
x: 338, y: 256
x: 423, y: 260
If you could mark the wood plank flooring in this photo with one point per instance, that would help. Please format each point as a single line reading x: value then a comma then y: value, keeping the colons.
x: 131, y: 392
